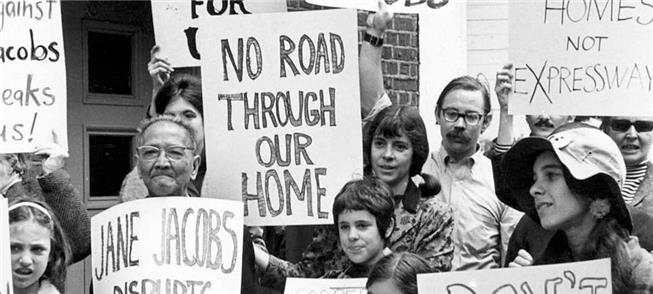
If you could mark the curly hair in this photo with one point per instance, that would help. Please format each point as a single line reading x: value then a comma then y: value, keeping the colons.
x: 60, y: 251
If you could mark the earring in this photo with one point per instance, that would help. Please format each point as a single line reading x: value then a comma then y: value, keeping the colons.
x: 599, y: 208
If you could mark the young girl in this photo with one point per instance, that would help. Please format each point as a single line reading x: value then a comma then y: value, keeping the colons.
x: 363, y: 214
x: 39, y: 251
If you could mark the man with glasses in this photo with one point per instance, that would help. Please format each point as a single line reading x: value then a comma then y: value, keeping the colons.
x: 483, y: 224
x: 633, y: 135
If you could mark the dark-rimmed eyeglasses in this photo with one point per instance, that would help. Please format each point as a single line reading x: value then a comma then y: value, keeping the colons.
x: 171, y: 152
x: 622, y: 125
x: 452, y: 115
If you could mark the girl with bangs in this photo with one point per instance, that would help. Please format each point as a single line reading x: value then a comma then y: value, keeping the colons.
x: 39, y: 250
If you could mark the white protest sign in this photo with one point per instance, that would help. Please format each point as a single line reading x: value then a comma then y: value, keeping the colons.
x: 282, y: 123
x: 582, y: 57
x: 325, y: 286
x: 168, y: 245
x: 32, y: 75
x: 6, y: 286
x: 400, y: 6
x: 578, y: 277
x: 176, y: 23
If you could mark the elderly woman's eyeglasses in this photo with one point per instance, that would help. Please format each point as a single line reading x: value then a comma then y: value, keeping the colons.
x: 452, y: 115
x: 622, y: 125
x: 171, y: 152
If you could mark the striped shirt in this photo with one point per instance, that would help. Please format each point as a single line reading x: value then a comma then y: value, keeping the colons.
x: 634, y: 176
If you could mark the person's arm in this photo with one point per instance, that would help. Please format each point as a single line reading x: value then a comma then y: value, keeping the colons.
x: 321, y: 252
x: 370, y: 69
x: 503, y: 88
x: 434, y: 240
x: 510, y: 217
x: 159, y: 68
x: 64, y: 200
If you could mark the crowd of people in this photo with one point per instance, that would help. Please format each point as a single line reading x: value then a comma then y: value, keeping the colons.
x: 568, y: 192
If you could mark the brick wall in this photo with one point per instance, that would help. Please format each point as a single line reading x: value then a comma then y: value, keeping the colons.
x: 400, y: 53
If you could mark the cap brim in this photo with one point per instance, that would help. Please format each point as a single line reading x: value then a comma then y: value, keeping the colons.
x: 517, y: 167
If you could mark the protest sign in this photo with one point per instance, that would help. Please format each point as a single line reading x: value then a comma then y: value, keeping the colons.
x: 168, y: 245
x: 176, y: 23
x: 400, y: 6
x: 578, y: 277
x: 282, y: 123
x: 5, y: 266
x: 33, y: 75
x: 580, y: 57
x: 325, y: 286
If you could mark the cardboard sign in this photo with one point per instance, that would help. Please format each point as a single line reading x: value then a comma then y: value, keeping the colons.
x: 283, y: 122
x: 33, y: 75
x: 400, y: 6
x: 176, y: 23
x: 578, y: 277
x: 168, y: 245
x: 325, y: 286
x: 582, y: 57
x: 6, y: 286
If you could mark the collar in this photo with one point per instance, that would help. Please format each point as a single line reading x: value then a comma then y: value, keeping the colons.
x: 187, y: 195
x: 645, y: 185
x: 411, y: 197
x: 444, y: 157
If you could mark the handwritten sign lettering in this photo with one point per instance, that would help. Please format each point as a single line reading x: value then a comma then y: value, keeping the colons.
x: 285, y: 134
x: 582, y: 60
x: 400, y: 6
x: 578, y: 277
x: 325, y: 286
x: 33, y: 75
x: 189, y: 245
x: 176, y: 23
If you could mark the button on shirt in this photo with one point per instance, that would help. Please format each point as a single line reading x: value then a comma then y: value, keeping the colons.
x: 482, y: 223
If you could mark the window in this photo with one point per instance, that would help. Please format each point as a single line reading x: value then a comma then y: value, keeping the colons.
x: 109, y: 63
x: 108, y: 160
x: 110, y: 59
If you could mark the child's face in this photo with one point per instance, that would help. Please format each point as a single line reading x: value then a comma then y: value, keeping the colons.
x: 30, y: 252
x: 360, y: 237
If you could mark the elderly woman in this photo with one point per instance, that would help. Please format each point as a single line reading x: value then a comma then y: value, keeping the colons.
x: 633, y: 136
x: 570, y: 184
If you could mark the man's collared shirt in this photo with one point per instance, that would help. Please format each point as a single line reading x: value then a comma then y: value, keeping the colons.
x: 482, y: 223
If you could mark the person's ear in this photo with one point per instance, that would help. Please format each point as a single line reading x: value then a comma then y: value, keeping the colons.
x: 571, y: 118
x: 196, y: 166
x: 487, y: 119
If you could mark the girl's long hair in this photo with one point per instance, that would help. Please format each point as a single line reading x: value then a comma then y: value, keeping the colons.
x: 60, y: 251
x: 608, y: 238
